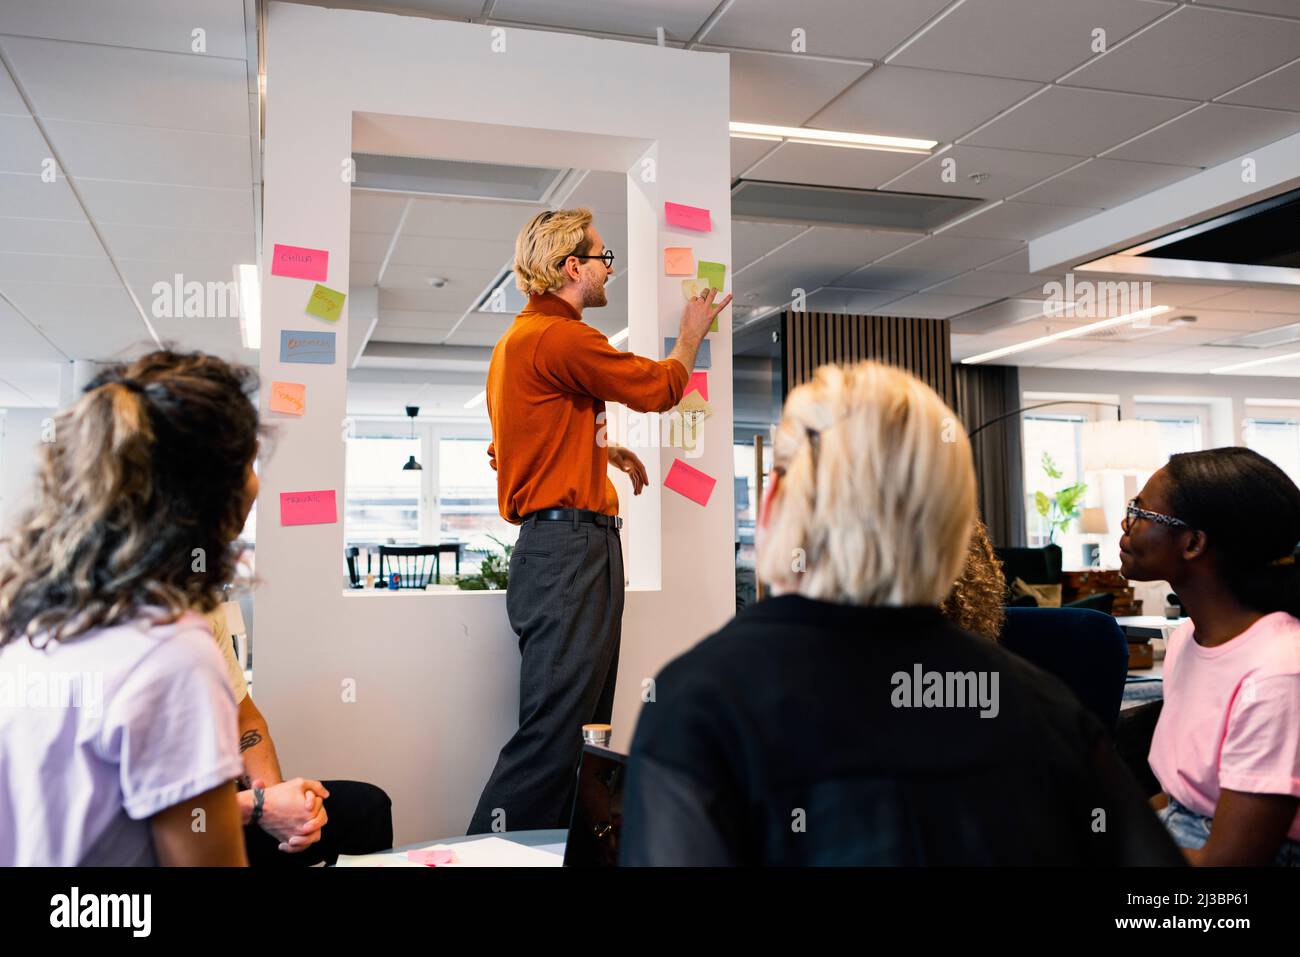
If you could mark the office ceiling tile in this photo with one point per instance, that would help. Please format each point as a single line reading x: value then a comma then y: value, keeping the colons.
x: 161, y: 243
x: 182, y: 207
x: 56, y: 268
x: 106, y: 84
x: 152, y: 155
x: 1278, y: 91
x: 1010, y: 171
x: 952, y: 252
x: 745, y: 153
x: 929, y: 104
x: 1195, y: 53
x: 1018, y: 220
x: 1105, y: 183
x: 10, y: 101
x: 1257, y: 299
x: 24, y: 196
x: 1026, y: 39
x: 49, y: 237
x: 679, y: 18
x: 143, y: 24
x: 750, y: 240
x: 785, y: 90
x: 474, y: 220
x: 22, y: 148
x: 1080, y: 122
x: 854, y: 29
x: 930, y: 305
x: 1211, y: 135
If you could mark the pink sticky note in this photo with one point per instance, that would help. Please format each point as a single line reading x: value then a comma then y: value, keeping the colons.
x: 291, y: 398
x: 299, y: 262
x: 308, y: 508
x: 688, y: 217
x: 699, y: 383
x: 690, y: 482
x: 679, y: 261
x: 431, y: 857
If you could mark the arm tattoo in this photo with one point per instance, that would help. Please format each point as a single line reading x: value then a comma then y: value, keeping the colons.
x: 248, y: 739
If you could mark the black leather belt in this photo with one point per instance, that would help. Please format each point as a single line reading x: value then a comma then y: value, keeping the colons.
x: 568, y: 515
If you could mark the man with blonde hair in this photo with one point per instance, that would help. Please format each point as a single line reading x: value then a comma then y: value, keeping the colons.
x: 549, y: 379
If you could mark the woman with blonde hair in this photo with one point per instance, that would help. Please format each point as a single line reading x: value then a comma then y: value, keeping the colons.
x: 122, y: 738
x: 977, y: 602
x: 844, y: 721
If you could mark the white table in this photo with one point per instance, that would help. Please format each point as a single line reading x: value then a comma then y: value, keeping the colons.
x: 549, y: 842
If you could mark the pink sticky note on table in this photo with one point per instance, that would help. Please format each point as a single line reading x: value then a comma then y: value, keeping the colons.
x: 299, y: 262
x: 688, y: 217
x: 431, y: 857
x: 679, y: 261
x: 690, y: 482
x: 308, y: 508
x: 699, y: 383
x: 291, y: 398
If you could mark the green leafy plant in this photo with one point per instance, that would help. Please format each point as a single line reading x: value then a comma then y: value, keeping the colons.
x: 1062, y: 508
x: 493, y: 574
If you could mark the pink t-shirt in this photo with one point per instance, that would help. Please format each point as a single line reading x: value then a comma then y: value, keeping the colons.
x: 1231, y: 717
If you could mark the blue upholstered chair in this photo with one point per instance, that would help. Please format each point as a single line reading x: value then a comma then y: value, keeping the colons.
x: 1085, y: 649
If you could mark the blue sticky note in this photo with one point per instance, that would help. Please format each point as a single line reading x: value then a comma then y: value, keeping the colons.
x: 703, y: 358
x: 300, y: 345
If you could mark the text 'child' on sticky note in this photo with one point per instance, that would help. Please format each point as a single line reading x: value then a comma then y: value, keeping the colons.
x: 690, y: 482
x: 679, y: 261
x: 703, y: 358
x: 688, y: 217
x: 326, y: 303
x: 308, y: 508
x: 299, y: 262
x: 289, y: 398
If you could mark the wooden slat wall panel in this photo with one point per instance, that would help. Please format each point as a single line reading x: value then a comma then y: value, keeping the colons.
x: 921, y: 346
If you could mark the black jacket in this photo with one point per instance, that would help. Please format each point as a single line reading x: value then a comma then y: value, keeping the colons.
x: 800, y: 734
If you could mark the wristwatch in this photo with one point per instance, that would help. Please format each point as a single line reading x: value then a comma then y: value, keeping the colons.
x: 259, y: 796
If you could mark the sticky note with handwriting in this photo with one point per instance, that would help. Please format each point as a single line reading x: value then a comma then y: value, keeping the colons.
x: 308, y: 508
x: 679, y: 261
x: 326, y: 303
x: 289, y: 398
x: 300, y: 345
x: 688, y: 217
x: 299, y: 262
x: 690, y: 482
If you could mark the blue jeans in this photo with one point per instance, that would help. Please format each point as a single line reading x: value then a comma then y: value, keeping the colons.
x: 1189, y: 829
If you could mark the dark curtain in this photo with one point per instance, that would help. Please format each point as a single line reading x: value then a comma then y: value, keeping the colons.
x: 983, y: 394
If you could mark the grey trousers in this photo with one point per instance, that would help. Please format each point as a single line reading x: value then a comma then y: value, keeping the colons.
x: 565, y: 602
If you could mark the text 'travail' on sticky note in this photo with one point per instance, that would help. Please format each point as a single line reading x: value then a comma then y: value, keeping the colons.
x: 703, y: 358
x: 679, y: 261
x: 308, y: 508
x: 691, y: 482
x: 289, y: 398
x: 699, y: 382
x: 326, y: 303
x: 688, y: 217
x: 299, y: 262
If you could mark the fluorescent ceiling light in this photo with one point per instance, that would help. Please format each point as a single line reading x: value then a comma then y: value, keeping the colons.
x: 250, y: 306
x: 477, y: 400
x: 1068, y: 334
x: 619, y: 337
x: 1254, y: 362
x: 867, y: 141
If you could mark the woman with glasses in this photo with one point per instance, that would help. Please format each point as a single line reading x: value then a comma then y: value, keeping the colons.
x: 1221, y: 527
x: 845, y: 721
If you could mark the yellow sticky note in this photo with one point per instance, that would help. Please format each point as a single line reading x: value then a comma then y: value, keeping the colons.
x: 289, y: 398
x: 326, y: 303
x: 679, y: 261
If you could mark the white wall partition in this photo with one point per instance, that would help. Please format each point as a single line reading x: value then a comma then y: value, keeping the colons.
x: 436, y: 676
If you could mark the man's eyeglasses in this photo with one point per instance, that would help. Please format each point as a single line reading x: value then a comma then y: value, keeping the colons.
x: 607, y: 257
x: 1133, y: 513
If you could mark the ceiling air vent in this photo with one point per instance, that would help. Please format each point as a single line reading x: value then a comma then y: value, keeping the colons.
x: 769, y: 202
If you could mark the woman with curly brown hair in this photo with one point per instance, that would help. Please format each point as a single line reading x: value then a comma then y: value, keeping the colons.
x: 119, y: 731
x: 977, y: 602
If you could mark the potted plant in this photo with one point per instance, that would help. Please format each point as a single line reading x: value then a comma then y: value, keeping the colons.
x: 493, y: 574
x: 1062, y: 508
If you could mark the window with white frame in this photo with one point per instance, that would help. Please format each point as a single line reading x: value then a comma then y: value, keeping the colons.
x: 1275, y: 436
x: 1182, y: 427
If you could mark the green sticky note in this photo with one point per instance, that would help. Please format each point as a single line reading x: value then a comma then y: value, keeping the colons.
x: 326, y: 303
x: 715, y: 274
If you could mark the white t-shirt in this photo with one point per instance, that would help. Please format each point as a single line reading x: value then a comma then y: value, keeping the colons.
x: 99, y: 733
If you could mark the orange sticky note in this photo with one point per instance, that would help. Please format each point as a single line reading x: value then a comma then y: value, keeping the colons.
x: 679, y: 261
x: 289, y: 398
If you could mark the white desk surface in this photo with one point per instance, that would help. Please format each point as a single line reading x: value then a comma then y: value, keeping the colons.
x: 549, y: 842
